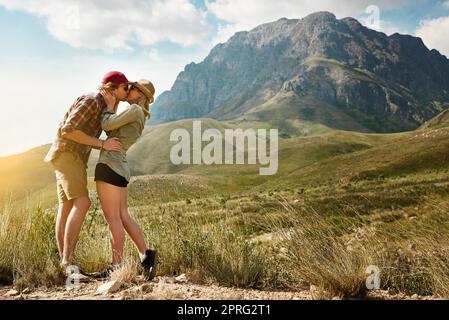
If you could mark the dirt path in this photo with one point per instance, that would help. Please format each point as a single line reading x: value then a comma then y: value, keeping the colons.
x: 159, y: 289
x: 167, y: 288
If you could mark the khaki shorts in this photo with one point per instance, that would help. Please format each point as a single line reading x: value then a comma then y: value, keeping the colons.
x: 71, y: 176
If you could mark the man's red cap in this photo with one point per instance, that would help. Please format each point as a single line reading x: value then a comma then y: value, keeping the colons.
x: 115, y: 77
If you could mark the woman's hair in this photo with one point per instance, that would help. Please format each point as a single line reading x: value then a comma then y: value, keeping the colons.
x: 144, y: 102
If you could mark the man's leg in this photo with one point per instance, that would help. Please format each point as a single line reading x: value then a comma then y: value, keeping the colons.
x: 73, y: 227
x: 74, y: 202
x: 61, y: 221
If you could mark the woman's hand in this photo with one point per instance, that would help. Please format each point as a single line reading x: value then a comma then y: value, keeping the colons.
x: 109, y: 99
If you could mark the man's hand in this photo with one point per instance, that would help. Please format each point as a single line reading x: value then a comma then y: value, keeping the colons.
x: 109, y: 99
x: 113, y: 144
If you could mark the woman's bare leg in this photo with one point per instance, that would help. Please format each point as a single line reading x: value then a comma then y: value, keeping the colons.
x: 131, y: 226
x: 109, y: 196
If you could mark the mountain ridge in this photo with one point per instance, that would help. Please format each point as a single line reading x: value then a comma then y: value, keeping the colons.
x: 253, y: 66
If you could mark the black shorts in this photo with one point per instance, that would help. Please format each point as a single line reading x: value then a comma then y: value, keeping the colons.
x: 104, y: 173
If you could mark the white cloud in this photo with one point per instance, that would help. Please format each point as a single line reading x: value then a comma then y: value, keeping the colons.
x: 154, y: 55
x: 434, y: 34
x: 100, y: 24
x: 241, y: 15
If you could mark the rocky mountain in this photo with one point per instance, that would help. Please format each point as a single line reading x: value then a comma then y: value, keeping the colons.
x: 319, y: 69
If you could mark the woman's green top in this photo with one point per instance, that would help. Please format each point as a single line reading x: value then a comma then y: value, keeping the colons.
x: 126, y: 126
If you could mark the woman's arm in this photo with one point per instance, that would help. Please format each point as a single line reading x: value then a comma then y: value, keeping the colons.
x: 112, y: 144
x: 111, y: 121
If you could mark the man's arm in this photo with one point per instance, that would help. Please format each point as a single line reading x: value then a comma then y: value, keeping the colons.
x: 85, y: 109
x: 80, y: 137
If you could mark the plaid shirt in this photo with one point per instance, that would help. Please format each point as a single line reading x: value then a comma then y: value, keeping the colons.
x: 83, y: 115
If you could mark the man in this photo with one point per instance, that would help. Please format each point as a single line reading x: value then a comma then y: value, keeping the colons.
x: 78, y: 132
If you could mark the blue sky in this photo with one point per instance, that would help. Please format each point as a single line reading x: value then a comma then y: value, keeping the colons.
x: 52, y: 51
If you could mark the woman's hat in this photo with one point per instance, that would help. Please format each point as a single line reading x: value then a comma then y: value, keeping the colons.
x: 146, y: 87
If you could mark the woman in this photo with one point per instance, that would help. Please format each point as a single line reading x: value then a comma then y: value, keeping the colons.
x: 112, y: 173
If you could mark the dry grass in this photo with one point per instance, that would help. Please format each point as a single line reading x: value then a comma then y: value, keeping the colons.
x: 127, y: 273
x: 411, y: 255
x: 320, y: 257
x: 326, y: 246
x: 28, y: 253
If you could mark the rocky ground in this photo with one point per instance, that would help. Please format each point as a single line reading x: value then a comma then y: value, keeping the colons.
x: 169, y: 288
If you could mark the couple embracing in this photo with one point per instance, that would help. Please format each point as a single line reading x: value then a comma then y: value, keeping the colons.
x: 77, y: 134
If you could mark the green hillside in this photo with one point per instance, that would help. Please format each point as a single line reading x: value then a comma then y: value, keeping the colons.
x: 313, y: 155
x: 26, y: 172
x: 294, y: 153
x: 296, y: 115
x: 439, y: 121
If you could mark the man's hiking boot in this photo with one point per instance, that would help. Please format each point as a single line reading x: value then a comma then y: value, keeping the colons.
x: 148, y: 264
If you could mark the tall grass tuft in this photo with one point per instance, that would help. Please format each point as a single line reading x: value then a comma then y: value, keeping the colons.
x: 208, y: 252
x: 28, y: 252
x: 320, y: 257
